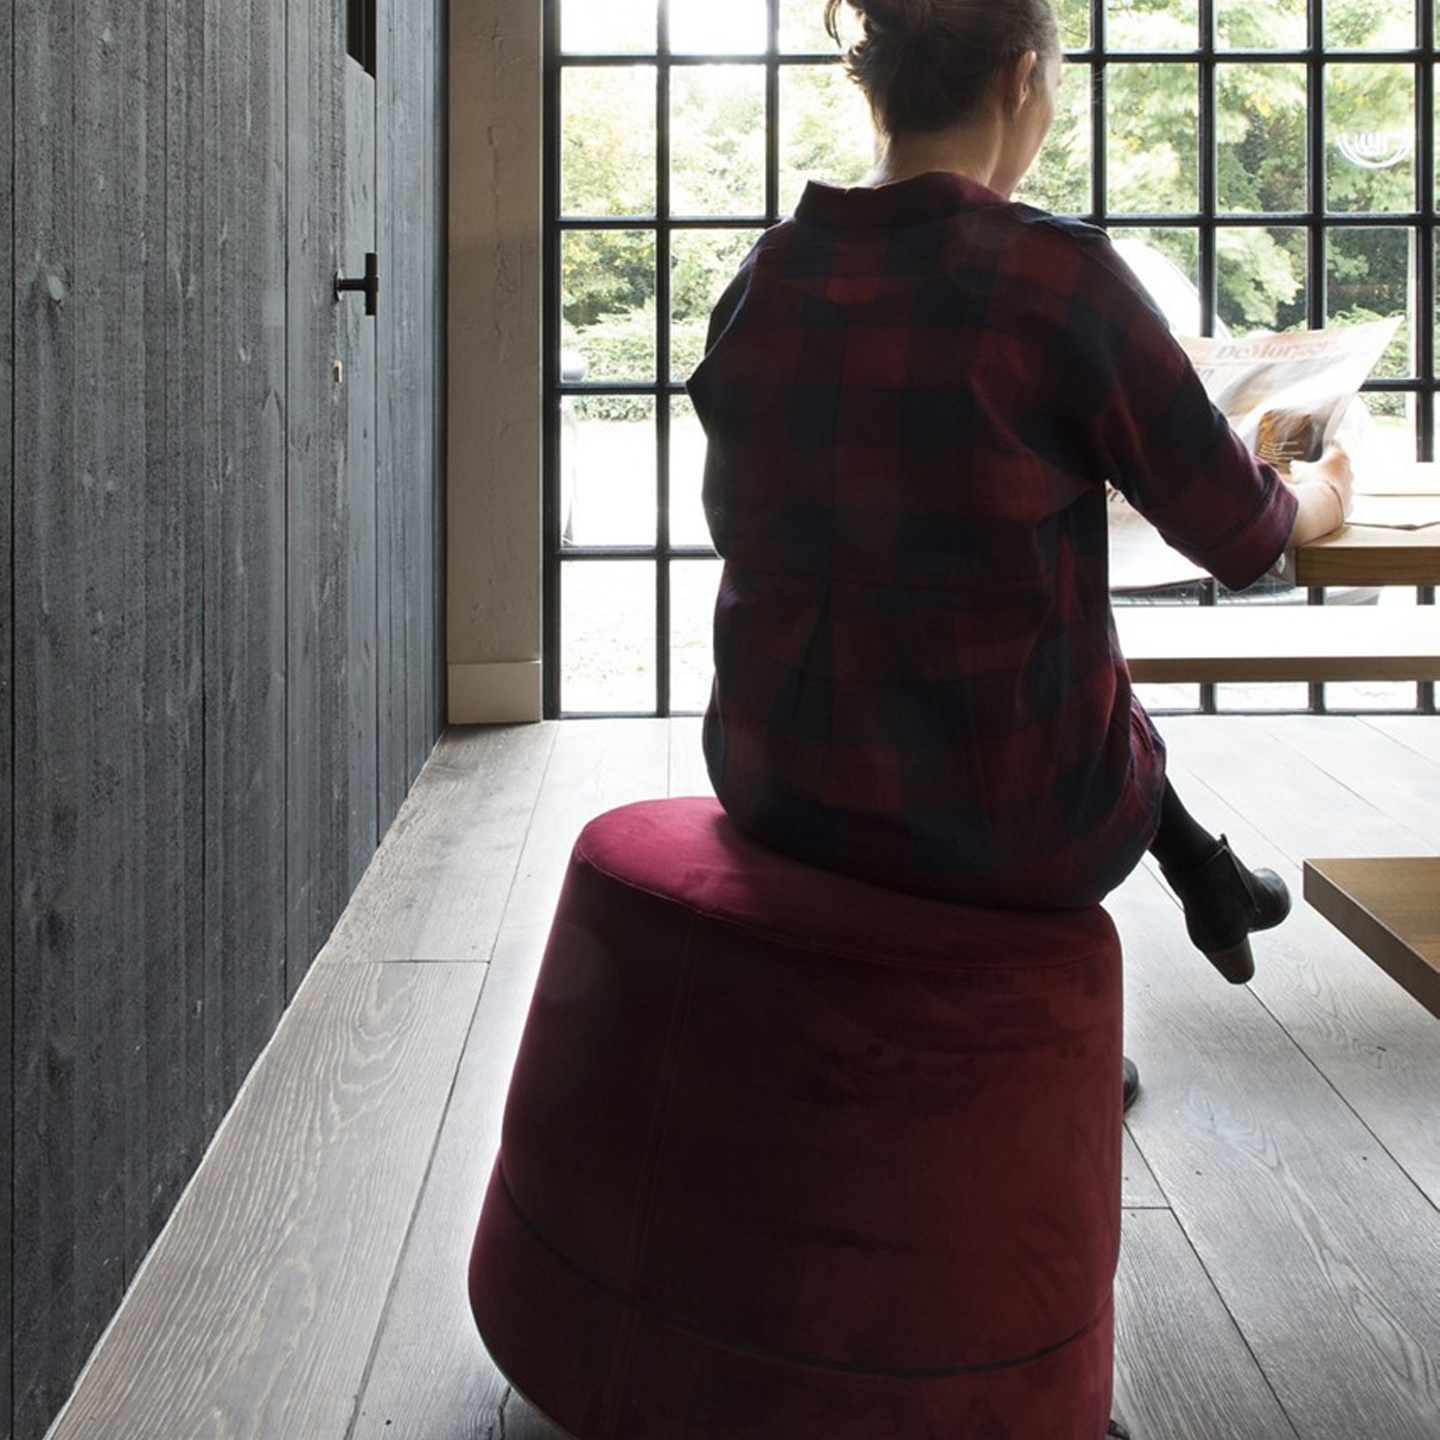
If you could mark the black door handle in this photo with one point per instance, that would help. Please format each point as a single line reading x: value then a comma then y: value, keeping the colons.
x: 370, y: 284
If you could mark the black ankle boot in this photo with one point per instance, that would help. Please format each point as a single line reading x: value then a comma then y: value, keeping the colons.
x: 1223, y: 903
x: 1129, y: 1082
x: 1117, y: 1431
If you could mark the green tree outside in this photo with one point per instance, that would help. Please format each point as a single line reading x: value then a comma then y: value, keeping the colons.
x: 717, y: 123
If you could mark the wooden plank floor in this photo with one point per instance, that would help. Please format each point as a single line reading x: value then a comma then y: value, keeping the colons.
x: 1280, y: 1275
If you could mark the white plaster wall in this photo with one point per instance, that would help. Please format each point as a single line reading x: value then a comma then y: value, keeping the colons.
x: 493, y: 506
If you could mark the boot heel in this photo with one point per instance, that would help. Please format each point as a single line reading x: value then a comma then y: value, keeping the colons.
x: 1223, y: 902
x: 1236, y: 963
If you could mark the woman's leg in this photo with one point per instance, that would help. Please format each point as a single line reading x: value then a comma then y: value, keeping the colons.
x: 1181, y: 842
x: 1224, y: 901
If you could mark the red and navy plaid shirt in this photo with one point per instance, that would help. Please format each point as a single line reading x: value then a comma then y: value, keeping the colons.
x: 913, y: 397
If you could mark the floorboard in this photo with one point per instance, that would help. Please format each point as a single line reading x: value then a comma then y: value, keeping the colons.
x: 438, y: 886
x: 255, y: 1314
x: 1375, y: 1044
x: 1182, y: 1368
x: 1280, y: 1271
x: 431, y: 1377
x: 1321, y: 1247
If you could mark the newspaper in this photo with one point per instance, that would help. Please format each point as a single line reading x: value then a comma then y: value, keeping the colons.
x: 1286, y: 395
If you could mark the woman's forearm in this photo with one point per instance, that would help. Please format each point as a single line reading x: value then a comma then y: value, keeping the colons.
x: 1323, y: 490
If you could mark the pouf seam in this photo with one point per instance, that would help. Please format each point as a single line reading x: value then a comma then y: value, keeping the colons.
x: 799, y: 1359
x: 829, y: 948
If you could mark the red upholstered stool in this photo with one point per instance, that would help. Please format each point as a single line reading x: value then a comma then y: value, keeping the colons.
x: 790, y: 1157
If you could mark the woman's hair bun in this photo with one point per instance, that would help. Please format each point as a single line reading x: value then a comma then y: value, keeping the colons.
x: 924, y: 64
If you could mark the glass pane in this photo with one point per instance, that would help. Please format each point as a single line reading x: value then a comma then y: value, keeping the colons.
x: 1153, y: 139
x: 607, y: 302
x: 687, y: 472
x: 1074, y: 18
x: 1167, y: 263
x: 802, y: 28
x: 1391, y: 435
x: 1260, y: 162
x: 825, y: 130
x: 1370, y: 126
x: 702, y: 263
x: 618, y: 27
x: 1059, y: 180
x: 717, y: 140
x: 1364, y: 25
x: 1369, y: 276
x: 693, y: 584
x: 607, y: 144
x: 1152, y: 24
x: 607, y: 627
x: 701, y: 27
x: 1261, y: 279
x: 607, y: 470
x: 1276, y: 25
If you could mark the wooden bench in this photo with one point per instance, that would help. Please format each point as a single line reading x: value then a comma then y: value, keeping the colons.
x: 1390, y: 908
x: 1212, y: 644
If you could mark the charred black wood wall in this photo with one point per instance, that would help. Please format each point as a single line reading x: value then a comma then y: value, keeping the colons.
x: 220, y: 658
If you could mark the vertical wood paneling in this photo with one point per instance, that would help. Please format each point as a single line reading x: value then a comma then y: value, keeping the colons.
x: 410, y: 455
x: 239, y: 147
x: 107, y: 872
x: 7, y: 497
x: 166, y: 594
x: 355, y: 661
x: 330, y: 824
x: 190, y: 680
x: 46, y: 1060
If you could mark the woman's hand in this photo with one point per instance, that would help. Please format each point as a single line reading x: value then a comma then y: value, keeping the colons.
x: 1325, y: 490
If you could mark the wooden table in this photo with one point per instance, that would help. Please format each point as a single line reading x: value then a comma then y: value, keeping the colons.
x: 1369, y: 555
x: 1372, y: 554
x: 1390, y: 908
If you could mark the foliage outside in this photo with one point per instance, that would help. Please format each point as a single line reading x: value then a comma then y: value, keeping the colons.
x: 717, y: 124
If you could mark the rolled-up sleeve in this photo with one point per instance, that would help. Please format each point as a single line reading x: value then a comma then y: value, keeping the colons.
x: 1166, y: 447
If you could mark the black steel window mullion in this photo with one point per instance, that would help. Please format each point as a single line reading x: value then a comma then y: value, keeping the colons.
x: 1425, y: 233
x: 772, y: 114
x: 1315, y: 231
x: 1209, y: 138
x: 1316, y: 290
x: 662, y: 366
x: 1314, y: 220
x: 1099, y: 137
x: 1425, y: 692
x: 550, y: 629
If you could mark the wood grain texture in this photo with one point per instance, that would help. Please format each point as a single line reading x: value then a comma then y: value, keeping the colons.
x: 440, y: 882
x: 1183, y: 1369
x: 232, y: 282
x: 409, y: 335
x: 1367, y: 555
x: 430, y: 1374
x: 158, y: 202
x: 1278, y: 1271
x: 107, y: 713
x: 326, y: 816
x: 1286, y: 786
x: 288, y: 1239
x: 1390, y: 908
x: 1318, y: 1243
x: 7, y: 661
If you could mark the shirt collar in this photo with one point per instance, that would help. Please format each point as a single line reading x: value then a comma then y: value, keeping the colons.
x: 923, y: 197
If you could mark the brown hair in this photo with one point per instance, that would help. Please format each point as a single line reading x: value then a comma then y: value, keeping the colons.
x: 927, y: 64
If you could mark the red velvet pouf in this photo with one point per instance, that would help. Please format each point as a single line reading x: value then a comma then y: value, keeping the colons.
x: 790, y: 1157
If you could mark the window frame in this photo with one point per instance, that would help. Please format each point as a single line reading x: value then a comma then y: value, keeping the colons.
x: 1096, y: 61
